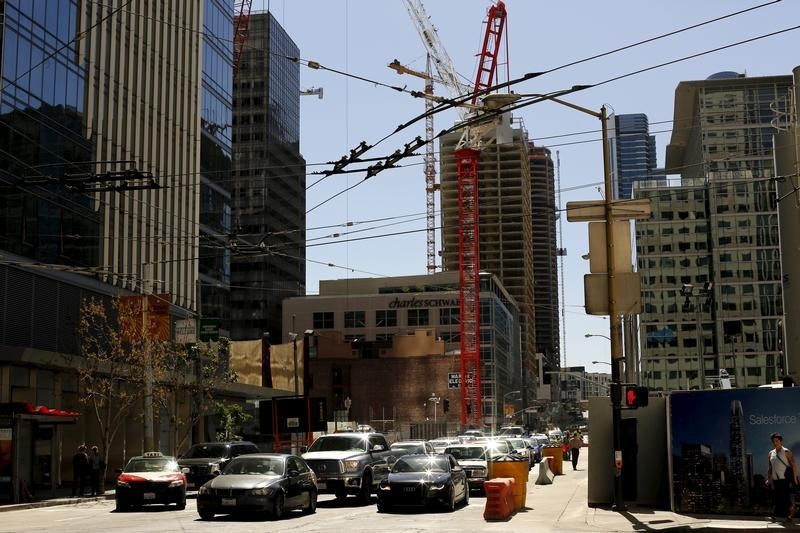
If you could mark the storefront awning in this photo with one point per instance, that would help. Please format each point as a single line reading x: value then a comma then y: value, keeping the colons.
x: 40, y: 413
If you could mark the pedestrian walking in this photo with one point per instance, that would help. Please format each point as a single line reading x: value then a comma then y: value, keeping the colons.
x: 96, y: 466
x: 575, y: 444
x: 782, y: 477
x: 80, y: 465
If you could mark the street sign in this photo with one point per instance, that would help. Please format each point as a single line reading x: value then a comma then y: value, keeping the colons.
x: 209, y: 329
x: 589, y: 210
x: 185, y: 331
x: 628, y: 288
x: 622, y: 247
x: 454, y: 380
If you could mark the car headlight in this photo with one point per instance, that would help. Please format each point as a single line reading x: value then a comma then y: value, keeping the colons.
x: 263, y: 491
x: 385, y: 486
x: 479, y: 471
x: 204, y: 490
x: 437, y: 486
x: 122, y: 484
x: 351, y: 466
x: 176, y: 483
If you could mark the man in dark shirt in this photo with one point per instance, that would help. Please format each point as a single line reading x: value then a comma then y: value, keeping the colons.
x: 80, y: 467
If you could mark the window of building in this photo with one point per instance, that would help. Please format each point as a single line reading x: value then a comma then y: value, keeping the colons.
x: 418, y: 317
x: 323, y: 320
x: 386, y: 318
x: 355, y: 319
x: 449, y: 316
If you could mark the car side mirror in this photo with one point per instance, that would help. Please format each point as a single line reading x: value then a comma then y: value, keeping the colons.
x: 118, y: 470
x: 457, y: 468
x: 378, y: 448
x: 185, y: 470
x: 215, y: 473
x: 294, y: 473
x: 303, y: 449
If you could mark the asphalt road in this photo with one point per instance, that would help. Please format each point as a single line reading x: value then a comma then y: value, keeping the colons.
x: 331, y: 515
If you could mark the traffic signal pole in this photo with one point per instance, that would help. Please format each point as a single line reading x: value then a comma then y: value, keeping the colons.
x: 615, y: 325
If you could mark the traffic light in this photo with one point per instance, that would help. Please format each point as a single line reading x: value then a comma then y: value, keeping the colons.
x: 445, y: 405
x: 634, y: 396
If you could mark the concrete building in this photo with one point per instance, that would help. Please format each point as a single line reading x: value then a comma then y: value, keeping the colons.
x: 544, y: 220
x: 388, y: 343
x: 709, y: 257
x: 787, y: 163
x: 505, y: 229
x: 269, y: 181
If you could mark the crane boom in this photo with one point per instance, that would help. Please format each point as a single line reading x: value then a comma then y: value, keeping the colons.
x: 441, y: 59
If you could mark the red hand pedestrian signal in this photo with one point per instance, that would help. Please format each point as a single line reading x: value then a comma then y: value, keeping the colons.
x: 635, y: 396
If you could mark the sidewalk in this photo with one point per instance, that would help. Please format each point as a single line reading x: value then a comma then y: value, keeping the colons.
x: 563, y: 506
x: 63, y: 497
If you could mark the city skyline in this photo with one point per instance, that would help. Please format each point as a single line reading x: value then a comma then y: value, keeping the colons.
x: 353, y: 110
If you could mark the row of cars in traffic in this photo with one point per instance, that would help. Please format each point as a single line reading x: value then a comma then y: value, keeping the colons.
x: 234, y: 477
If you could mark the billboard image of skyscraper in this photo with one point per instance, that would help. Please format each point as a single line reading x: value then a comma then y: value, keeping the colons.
x: 719, y: 442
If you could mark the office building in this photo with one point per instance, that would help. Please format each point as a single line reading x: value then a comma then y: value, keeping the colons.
x: 366, y: 326
x: 709, y: 257
x: 269, y: 182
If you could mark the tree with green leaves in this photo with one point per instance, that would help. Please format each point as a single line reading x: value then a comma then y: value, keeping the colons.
x: 231, y: 416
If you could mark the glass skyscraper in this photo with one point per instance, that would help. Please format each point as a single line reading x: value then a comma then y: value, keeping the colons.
x: 633, y: 154
x: 269, y: 182
x: 709, y: 257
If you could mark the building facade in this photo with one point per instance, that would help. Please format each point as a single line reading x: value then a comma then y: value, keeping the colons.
x: 504, y: 226
x: 544, y: 220
x: 405, y: 321
x: 269, y: 181
x: 709, y: 257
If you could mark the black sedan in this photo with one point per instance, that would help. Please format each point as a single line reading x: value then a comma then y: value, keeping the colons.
x: 424, y: 480
x: 264, y: 482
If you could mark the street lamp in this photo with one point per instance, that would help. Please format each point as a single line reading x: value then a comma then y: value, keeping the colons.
x: 615, y: 322
x: 597, y: 335
x: 601, y: 363
x: 435, y: 400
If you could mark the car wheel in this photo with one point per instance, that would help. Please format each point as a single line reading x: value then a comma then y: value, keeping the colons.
x: 181, y: 505
x: 451, y: 506
x: 312, y: 503
x: 122, y: 506
x: 278, y: 507
x: 384, y: 507
x: 366, y: 488
x: 206, y: 515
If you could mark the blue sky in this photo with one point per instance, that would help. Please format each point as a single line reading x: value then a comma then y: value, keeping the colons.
x: 362, y: 36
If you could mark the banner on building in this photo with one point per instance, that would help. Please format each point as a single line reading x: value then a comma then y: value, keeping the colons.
x: 145, y: 317
x: 720, y: 465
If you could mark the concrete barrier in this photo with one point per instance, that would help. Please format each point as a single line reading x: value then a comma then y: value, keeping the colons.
x: 546, y: 476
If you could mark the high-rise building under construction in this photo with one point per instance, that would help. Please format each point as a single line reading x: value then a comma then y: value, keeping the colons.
x: 507, y: 238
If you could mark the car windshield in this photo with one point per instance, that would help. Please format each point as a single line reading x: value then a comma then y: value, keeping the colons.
x: 339, y: 443
x: 475, y: 453
x: 408, y: 447
x: 517, y: 443
x: 160, y: 464
x: 421, y: 463
x: 498, y: 446
x: 255, y: 466
x: 200, y: 451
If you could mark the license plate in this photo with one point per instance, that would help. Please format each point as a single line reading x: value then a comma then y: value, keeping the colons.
x: 149, y: 496
x: 228, y: 501
x: 189, y: 484
x: 321, y: 485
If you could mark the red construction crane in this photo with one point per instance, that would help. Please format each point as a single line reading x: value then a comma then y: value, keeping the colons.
x: 241, y: 21
x: 467, y: 156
